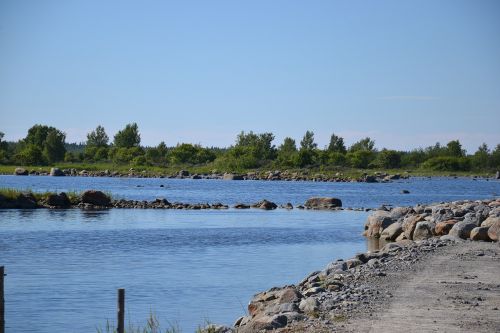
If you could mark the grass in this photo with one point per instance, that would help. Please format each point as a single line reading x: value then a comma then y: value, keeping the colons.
x: 152, y: 326
x: 13, y: 194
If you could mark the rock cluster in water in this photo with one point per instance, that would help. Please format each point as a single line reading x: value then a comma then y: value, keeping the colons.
x: 377, y: 177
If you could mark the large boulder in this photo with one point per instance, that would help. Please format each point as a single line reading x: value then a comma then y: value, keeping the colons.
x: 323, y: 203
x: 56, y: 172
x: 392, y: 232
x: 409, y: 224
x: 58, y: 200
x: 423, y: 230
x: 20, y: 172
x: 265, y: 204
x: 494, y: 231
x: 443, y: 228
x: 264, y: 303
x: 490, y: 221
x: 462, y: 229
x: 232, y: 176
x: 25, y: 201
x: 376, y: 222
x: 480, y: 234
x: 96, y: 198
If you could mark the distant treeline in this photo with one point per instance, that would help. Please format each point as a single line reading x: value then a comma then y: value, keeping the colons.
x: 45, y: 145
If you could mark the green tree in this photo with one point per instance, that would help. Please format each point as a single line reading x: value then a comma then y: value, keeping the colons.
x: 3, y: 149
x: 307, y: 142
x: 360, y: 158
x: 128, y: 137
x: 363, y: 144
x: 287, y: 152
x: 97, y: 138
x: 49, y: 140
x: 495, y: 158
x: 454, y: 148
x: 54, y: 149
x: 481, y: 158
x: 336, y: 144
x: 30, y: 155
x: 389, y: 159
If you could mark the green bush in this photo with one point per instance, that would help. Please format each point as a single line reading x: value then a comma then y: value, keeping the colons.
x: 447, y: 163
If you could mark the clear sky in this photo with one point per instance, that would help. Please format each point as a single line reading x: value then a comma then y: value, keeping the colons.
x: 406, y: 73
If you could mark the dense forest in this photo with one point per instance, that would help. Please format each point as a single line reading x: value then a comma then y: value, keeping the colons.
x: 46, y: 145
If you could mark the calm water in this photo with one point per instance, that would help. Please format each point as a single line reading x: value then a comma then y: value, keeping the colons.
x: 187, y: 266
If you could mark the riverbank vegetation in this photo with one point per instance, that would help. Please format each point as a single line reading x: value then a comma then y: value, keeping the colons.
x: 46, y: 146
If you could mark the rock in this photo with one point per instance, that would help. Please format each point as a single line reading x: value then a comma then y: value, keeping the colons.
x: 392, y: 231
x: 266, y: 323
x: 56, y: 172
x: 272, y: 297
x: 497, y: 175
x: 25, y: 201
x: 490, y: 221
x: 494, y: 231
x: 443, y: 228
x: 323, y: 203
x: 462, y: 229
x: 370, y: 179
x: 423, y: 230
x: 480, y: 234
x: 58, y: 200
x: 309, y: 305
x: 241, y: 206
x: 336, y: 267
x: 376, y: 222
x: 409, y: 224
x: 183, y: 173
x: 232, y: 176
x: 351, y: 263
x: 265, y: 204
x: 212, y: 328
x: 451, y: 238
x: 20, y: 172
x: 405, y: 192
x: 97, y: 198
x: 389, y: 247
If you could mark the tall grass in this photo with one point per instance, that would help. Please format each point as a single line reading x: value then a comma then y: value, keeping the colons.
x: 152, y: 326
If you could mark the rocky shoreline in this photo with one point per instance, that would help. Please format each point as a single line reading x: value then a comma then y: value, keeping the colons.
x: 93, y: 200
x: 349, y: 295
x: 376, y: 177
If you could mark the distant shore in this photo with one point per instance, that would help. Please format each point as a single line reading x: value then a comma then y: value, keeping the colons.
x: 341, y: 175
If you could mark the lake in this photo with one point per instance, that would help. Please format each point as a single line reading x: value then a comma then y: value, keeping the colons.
x: 64, y: 266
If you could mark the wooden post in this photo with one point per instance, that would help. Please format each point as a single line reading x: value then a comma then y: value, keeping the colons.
x: 121, y: 311
x: 2, y: 302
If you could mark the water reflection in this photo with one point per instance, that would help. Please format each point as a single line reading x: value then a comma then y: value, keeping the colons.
x: 93, y: 215
x: 375, y: 244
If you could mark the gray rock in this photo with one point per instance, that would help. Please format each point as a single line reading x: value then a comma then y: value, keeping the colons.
x: 56, y: 172
x: 480, y: 234
x: 462, y: 229
x: 392, y: 232
x: 20, y: 172
x: 423, y: 230
x: 322, y: 203
x: 308, y: 305
x: 232, y: 176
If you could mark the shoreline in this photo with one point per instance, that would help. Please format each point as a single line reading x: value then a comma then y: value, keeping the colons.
x: 445, y: 282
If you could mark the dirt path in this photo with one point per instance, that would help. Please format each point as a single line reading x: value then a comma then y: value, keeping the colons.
x: 456, y: 289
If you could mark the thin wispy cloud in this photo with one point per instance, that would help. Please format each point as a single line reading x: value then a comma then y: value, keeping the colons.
x: 408, y: 98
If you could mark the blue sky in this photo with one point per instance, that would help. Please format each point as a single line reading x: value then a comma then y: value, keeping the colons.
x: 406, y: 73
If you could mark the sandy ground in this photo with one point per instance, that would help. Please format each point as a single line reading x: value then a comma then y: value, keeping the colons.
x: 454, y: 289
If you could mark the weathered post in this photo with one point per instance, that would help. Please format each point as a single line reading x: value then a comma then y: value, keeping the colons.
x: 121, y: 311
x: 2, y: 302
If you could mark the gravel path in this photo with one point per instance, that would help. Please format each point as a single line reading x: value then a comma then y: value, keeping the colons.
x: 455, y: 289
